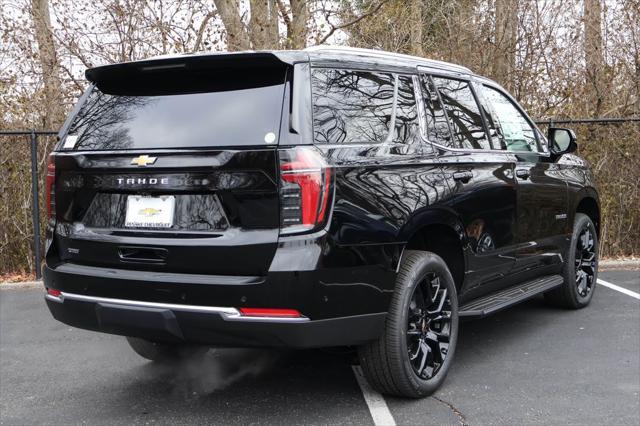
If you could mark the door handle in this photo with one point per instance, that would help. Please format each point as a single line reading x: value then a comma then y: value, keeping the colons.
x: 464, y: 176
x: 523, y: 173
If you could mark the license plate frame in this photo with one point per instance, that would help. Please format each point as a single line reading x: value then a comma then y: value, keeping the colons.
x: 155, y: 212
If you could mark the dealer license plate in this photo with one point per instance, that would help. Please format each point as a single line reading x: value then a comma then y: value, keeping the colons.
x: 150, y: 212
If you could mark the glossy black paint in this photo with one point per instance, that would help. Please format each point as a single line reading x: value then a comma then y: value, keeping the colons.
x: 542, y: 213
x: 486, y: 205
x: 226, y: 209
x: 510, y: 213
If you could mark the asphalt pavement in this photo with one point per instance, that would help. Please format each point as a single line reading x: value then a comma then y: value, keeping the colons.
x: 528, y: 365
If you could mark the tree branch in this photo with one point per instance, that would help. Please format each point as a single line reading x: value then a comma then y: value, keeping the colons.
x: 285, y: 15
x: 354, y: 21
x: 200, y: 33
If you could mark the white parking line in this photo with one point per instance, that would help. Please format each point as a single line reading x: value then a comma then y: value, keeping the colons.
x: 376, y: 403
x: 620, y: 289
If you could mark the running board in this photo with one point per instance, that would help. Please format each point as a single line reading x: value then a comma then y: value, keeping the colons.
x: 510, y: 296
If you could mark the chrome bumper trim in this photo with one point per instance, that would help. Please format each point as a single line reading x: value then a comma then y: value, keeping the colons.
x: 229, y: 314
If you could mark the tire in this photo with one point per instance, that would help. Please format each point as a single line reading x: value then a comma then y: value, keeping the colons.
x: 392, y: 363
x: 580, y: 270
x: 164, y: 352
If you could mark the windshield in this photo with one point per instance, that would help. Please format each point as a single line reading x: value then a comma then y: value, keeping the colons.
x: 247, y: 115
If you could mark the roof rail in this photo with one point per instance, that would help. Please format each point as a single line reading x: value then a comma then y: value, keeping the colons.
x: 383, y: 54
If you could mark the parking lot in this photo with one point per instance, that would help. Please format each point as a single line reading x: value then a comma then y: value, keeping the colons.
x: 529, y: 365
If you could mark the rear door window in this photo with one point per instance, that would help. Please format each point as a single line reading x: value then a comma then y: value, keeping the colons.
x: 358, y: 107
x: 463, y: 112
x: 406, y: 126
x: 437, y: 125
x: 351, y: 106
x: 239, y: 114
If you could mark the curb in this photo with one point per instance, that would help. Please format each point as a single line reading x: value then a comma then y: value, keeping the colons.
x: 622, y: 264
x: 21, y: 284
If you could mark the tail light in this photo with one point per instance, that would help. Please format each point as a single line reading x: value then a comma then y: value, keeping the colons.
x: 304, y: 190
x: 51, y: 187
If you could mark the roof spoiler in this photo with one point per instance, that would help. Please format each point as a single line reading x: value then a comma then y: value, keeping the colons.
x: 140, y: 77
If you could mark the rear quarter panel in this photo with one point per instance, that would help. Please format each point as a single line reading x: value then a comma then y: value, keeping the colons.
x: 382, y: 192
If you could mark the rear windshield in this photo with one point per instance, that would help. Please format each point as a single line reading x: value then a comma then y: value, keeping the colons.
x: 214, y: 115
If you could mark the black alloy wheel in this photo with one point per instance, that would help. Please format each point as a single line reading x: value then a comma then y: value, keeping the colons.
x: 429, y: 326
x: 585, y: 261
x: 580, y: 270
x: 413, y: 354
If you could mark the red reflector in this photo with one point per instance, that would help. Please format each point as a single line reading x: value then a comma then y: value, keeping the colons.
x: 267, y: 312
x: 53, y: 292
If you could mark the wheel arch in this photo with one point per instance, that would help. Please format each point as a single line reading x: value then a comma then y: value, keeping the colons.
x: 441, y: 232
x: 588, y: 204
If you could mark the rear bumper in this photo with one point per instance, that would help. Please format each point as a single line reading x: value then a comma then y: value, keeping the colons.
x: 217, y: 326
x: 344, y: 294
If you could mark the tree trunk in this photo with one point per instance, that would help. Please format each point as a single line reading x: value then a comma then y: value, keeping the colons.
x: 457, y: 20
x: 263, y: 24
x: 416, y: 27
x: 237, y: 36
x: 297, y: 38
x: 593, y: 56
x: 637, y: 61
x: 48, y: 58
x: 506, y: 36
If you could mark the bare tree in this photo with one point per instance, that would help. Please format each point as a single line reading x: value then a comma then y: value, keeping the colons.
x: 263, y: 25
x: 416, y: 27
x: 237, y: 37
x: 634, y: 18
x: 593, y: 53
x: 506, y: 35
x: 49, y: 64
x: 296, y: 19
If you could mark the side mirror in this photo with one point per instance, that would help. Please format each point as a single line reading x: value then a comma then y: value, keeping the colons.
x: 562, y: 141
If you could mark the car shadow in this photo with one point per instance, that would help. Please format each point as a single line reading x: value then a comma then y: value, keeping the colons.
x: 487, y: 337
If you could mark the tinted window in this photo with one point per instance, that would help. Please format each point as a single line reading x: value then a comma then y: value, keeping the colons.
x: 516, y: 132
x: 110, y: 121
x: 406, y: 127
x: 497, y: 142
x: 351, y: 106
x: 464, y: 114
x: 436, y: 120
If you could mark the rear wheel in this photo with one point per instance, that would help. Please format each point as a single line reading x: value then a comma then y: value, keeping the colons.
x: 580, y: 270
x: 413, y: 355
x: 164, y: 352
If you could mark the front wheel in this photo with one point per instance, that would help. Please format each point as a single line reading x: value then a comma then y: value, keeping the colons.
x: 580, y: 269
x: 413, y: 355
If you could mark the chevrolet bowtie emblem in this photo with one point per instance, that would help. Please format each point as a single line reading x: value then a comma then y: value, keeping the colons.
x: 144, y: 160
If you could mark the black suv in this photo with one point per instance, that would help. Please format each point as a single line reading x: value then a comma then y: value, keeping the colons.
x: 305, y: 199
